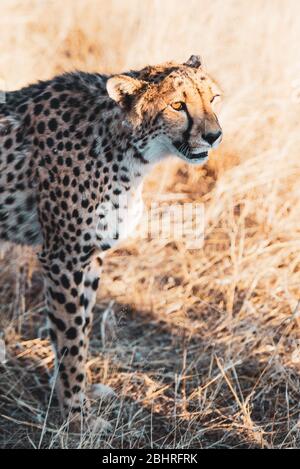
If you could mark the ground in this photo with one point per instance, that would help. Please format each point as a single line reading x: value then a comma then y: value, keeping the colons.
x: 202, y: 346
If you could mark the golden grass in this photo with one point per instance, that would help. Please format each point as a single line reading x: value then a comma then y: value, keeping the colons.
x: 208, y: 353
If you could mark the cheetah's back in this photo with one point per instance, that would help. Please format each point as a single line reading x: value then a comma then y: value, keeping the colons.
x: 18, y: 208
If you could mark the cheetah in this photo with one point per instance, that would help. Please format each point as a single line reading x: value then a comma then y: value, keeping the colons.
x: 73, y: 152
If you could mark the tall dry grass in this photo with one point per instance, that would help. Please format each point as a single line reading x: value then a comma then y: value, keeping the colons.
x: 208, y: 352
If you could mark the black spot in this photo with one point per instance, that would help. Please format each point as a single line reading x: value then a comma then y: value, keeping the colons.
x: 53, y: 335
x: 8, y: 143
x: 124, y: 178
x: 54, y: 103
x: 76, y: 171
x: 50, y: 142
x: 58, y: 322
x: 10, y: 158
x: 65, y: 281
x: 64, y: 351
x: 66, y: 116
x: 61, y: 367
x: 55, y: 269
x: 74, y: 350
x: 95, y: 284
x: 9, y: 200
x: 37, y: 109
x: 71, y: 308
x: 71, y: 333
x: 76, y: 389
x: 66, y: 181
x: 52, y: 125
x: 78, y: 277
x: 41, y: 127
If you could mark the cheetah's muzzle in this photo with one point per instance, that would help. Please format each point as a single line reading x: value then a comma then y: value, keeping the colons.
x: 184, y: 148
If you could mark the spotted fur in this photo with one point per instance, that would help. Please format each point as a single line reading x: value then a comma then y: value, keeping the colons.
x: 73, y: 151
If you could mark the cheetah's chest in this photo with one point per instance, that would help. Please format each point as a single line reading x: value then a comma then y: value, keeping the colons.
x: 118, y: 219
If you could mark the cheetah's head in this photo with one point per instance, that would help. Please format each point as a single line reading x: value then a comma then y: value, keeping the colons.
x: 171, y: 108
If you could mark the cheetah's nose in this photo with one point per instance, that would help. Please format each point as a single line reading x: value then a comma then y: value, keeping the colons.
x: 211, y: 138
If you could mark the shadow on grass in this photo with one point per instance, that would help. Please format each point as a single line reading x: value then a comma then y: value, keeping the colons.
x: 173, y: 391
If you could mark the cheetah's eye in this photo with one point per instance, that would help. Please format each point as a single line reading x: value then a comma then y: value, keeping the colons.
x: 178, y: 106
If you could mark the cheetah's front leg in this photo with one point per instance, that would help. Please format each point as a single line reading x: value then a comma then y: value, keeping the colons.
x: 70, y: 297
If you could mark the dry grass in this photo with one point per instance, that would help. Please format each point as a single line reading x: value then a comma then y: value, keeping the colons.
x: 208, y: 352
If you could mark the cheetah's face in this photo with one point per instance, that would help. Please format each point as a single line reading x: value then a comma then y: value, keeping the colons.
x: 174, y: 106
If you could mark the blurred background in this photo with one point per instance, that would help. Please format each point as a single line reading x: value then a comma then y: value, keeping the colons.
x: 202, y: 346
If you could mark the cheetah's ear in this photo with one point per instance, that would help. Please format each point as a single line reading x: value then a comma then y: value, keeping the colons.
x: 194, y: 61
x: 122, y: 88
